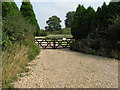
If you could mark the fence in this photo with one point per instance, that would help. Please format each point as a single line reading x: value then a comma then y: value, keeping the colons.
x: 54, y: 43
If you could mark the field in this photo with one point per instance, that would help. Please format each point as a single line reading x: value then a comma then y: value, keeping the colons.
x: 56, y: 36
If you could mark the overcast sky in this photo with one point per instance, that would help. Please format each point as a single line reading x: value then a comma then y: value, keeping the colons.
x: 47, y: 8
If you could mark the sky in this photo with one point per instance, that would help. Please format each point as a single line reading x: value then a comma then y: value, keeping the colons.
x: 46, y: 8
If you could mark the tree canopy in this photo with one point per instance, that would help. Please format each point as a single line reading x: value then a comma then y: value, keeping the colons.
x: 82, y: 21
x: 28, y: 12
x: 9, y: 8
x: 15, y: 27
x: 53, y: 24
x: 17, y: 36
x: 69, y: 19
x: 97, y: 32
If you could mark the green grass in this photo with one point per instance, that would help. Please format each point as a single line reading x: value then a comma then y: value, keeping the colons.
x: 43, y: 37
x: 34, y: 50
x: 56, y: 36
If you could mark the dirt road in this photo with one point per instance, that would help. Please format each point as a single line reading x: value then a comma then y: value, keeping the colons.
x: 63, y: 68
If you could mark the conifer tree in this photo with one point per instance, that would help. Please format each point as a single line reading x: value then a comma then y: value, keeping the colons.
x: 75, y: 30
x: 28, y: 12
x: 82, y: 22
x: 9, y: 8
x: 69, y: 19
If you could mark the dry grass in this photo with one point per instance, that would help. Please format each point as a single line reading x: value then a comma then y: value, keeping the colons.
x: 13, y: 64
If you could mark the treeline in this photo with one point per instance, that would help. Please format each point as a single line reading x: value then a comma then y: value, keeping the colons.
x: 54, y: 27
x: 96, y: 32
x: 19, y: 29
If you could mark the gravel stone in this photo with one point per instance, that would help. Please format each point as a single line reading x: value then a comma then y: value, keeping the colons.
x: 63, y: 68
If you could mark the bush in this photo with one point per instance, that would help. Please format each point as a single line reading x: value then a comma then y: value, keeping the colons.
x: 63, y: 31
x: 42, y: 33
x: 66, y: 31
x: 57, y: 32
x: 33, y: 50
x: 85, y: 47
x: 94, y: 44
x: 15, y: 30
x: 114, y: 32
x: 115, y: 54
x: 79, y: 45
x: 18, y: 47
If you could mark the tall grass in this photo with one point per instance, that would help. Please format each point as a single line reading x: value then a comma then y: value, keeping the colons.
x: 33, y: 51
x: 15, y: 62
x: 17, y: 43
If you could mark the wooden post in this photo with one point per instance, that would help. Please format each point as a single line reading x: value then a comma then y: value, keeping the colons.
x: 54, y: 44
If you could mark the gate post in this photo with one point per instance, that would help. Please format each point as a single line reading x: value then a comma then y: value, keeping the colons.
x: 54, y: 43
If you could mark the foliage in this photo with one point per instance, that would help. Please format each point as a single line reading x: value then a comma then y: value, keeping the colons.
x: 90, y: 47
x: 87, y: 20
x: 59, y: 36
x: 53, y: 24
x: 114, y: 32
x: 66, y: 31
x: 33, y: 51
x: 8, y: 8
x: 42, y: 33
x: 82, y: 22
x: 69, y: 19
x: 97, y: 32
x: 27, y: 11
x: 77, y: 21
x: 18, y: 36
x: 62, y: 31
x: 14, y: 30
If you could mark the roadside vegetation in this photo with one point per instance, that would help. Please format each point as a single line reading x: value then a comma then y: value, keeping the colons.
x: 63, y: 33
x: 18, y: 47
x: 54, y: 30
x: 97, y: 32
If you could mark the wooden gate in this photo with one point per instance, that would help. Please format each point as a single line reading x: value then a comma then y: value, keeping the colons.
x: 54, y: 43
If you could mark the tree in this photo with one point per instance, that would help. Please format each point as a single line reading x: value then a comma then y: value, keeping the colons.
x: 53, y: 24
x: 82, y: 22
x: 75, y: 30
x: 9, y: 8
x: 114, y: 32
x: 14, y: 26
x: 27, y: 11
x: 87, y: 23
x: 98, y: 18
x: 69, y: 19
x: 104, y: 16
x: 114, y: 8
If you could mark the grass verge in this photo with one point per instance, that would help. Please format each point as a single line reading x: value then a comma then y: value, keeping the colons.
x: 15, y: 62
x: 56, y: 36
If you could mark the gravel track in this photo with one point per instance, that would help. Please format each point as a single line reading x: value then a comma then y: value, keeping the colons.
x: 63, y: 68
